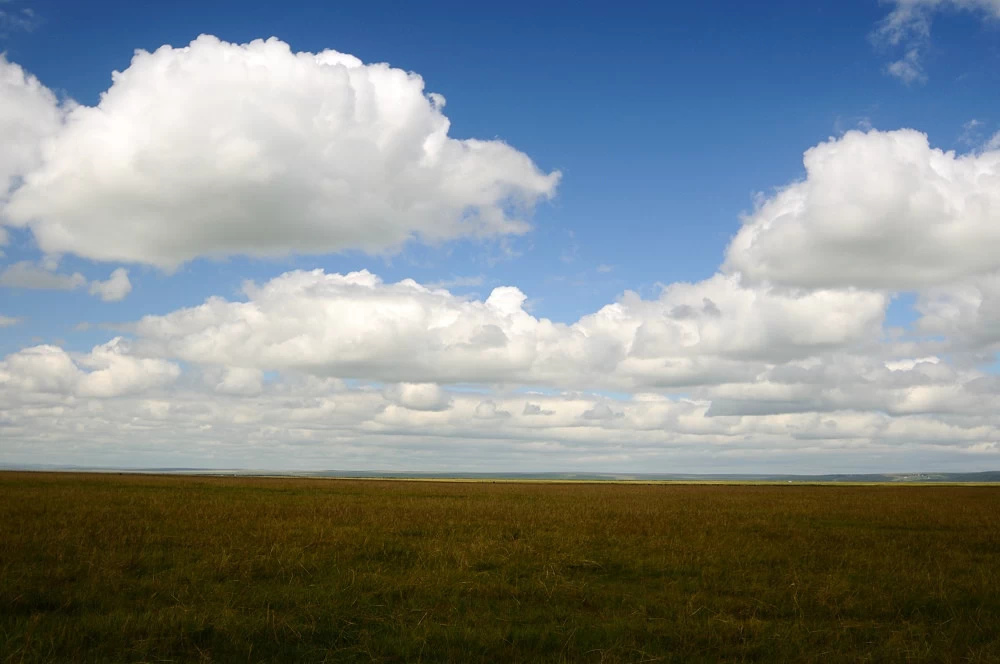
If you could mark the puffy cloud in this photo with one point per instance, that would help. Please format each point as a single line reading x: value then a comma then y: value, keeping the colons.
x: 218, y: 149
x: 237, y: 381
x: 966, y: 313
x: 115, y: 288
x: 29, y: 113
x: 113, y: 371
x: 26, y: 274
x: 40, y: 369
x: 840, y: 383
x: 876, y: 210
x: 488, y: 410
x: 108, y: 370
x: 356, y: 326
x: 418, y: 396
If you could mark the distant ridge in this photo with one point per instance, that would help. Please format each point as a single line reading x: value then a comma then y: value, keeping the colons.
x: 989, y: 476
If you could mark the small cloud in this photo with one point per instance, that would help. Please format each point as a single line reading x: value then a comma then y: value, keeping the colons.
x: 908, y: 26
x: 8, y: 321
x: 17, y: 20
x: 418, y: 396
x: 908, y: 69
x: 115, y: 288
x: 604, y: 268
x: 458, y: 282
x: 841, y: 125
x: 487, y: 410
x: 50, y: 262
x: 42, y: 276
x: 993, y: 143
x: 972, y: 132
x: 535, y: 409
x: 601, y: 411
x: 26, y: 274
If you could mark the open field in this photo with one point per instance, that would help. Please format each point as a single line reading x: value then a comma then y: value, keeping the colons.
x: 151, y: 568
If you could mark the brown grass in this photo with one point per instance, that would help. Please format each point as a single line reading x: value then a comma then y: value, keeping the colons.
x: 142, y: 568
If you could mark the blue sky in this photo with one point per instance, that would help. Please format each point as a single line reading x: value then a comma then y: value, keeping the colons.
x: 665, y: 120
x: 666, y: 124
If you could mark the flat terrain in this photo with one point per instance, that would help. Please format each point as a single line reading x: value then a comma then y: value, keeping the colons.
x: 122, y: 568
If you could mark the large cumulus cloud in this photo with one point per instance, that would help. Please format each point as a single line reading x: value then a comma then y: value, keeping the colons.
x: 356, y: 326
x: 876, y: 210
x: 29, y: 113
x: 109, y: 370
x: 220, y: 149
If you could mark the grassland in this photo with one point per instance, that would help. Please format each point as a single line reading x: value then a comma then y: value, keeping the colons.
x: 106, y: 568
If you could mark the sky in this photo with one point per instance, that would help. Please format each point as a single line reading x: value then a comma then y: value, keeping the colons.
x: 717, y: 237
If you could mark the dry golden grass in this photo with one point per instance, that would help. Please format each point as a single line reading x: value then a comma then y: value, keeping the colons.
x: 140, y: 568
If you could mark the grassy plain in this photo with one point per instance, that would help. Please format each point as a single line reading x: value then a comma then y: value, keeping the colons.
x: 109, y: 568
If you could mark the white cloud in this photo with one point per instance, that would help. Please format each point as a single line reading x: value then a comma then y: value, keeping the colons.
x: 418, y: 396
x: 219, y: 149
x: 535, y: 409
x: 113, y: 371
x: 237, y: 381
x: 861, y: 384
x: 115, y: 288
x: 109, y: 370
x: 8, y: 321
x: 908, y: 25
x: 14, y: 19
x: 488, y: 410
x: 42, y: 276
x: 971, y: 135
x: 908, y: 68
x: 316, y: 424
x: 356, y: 326
x: 600, y: 411
x: 26, y: 274
x: 909, y: 363
x: 841, y: 401
x: 966, y: 313
x: 876, y: 210
x: 29, y: 113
